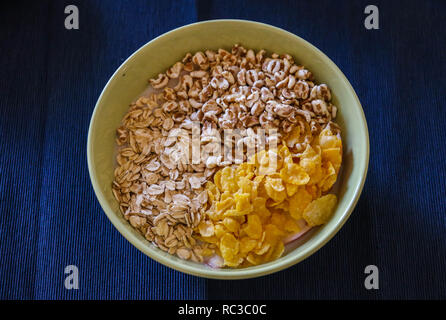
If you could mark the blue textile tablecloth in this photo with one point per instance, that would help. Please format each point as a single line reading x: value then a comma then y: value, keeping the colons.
x: 51, y: 78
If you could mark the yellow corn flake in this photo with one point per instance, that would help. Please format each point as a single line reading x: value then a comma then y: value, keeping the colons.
x: 245, y: 184
x: 269, y: 162
x: 261, y: 191
x: 228, y: 180
x: 220, y: 231
x: 291, y: 189
x: 245, y: 170
x: 247, y: 244
x: 224, y: 205
x: 327, y: 183
x: 254, y: 187
x: 211, y: 211
x: 309, y: 153
x: 279, y: 205
x: 275, y: 184
x: 275, y: 252
x: 231, y: 213
x: 331, y: 146
x: 284, y: 222
x: 317, y: 176
x: 272, y: 233
x: 275, y: 189
x: 243, y: 203
x: 253, y: 228
x: 231, y: 224
x: 334, y: 156
x: 229, y: 248
x: 271, y: 203
x: 270, y: 248
x: 265, y: 246
x: 319, y: 211
x: 212, y: 239
x: 229, y: 243
x: 310, y: 160
x: 259, y: 207
x: 217, y: 179
x: 206, y: 252
x: 330, y: 177
x: 279, y: 220
x: 213, y: 192
x: 258, y: 179
x: 235, y: 261
x: 254, y: 259
x: 206, y: 228
x: 286, y: 155
x: 292, y: 226
x: 328, y: 140
x: 294, y: 174
x: 298, y: 202
x: 225, y: 195
x: 314, y: 191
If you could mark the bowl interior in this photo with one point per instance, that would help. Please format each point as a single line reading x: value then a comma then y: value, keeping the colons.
x: 130, y: 80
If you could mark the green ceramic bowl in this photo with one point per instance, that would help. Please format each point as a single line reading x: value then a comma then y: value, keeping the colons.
x: 130, y: 80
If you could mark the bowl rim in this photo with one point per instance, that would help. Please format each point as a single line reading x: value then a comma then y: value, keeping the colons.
x: 233, y: 274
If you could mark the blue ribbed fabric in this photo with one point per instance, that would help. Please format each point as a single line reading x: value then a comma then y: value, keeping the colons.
x: 52, y: 77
